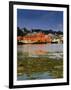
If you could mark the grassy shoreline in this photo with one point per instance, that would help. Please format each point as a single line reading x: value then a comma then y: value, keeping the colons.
x: 31, y: 65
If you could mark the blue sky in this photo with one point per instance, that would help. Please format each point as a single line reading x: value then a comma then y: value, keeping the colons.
x: 40, y: 19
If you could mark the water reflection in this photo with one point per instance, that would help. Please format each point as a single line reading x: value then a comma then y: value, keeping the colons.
x: 43, y: 50
x: 45, y: 47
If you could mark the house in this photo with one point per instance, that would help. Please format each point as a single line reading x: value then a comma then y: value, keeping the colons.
x: 56, y: 40
x: 36, y: 37
x: 19, y: 38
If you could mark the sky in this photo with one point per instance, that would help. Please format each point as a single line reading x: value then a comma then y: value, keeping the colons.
x: 40, y: 19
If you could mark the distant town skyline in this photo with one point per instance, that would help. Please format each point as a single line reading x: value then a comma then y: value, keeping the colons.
x: 40, y: 19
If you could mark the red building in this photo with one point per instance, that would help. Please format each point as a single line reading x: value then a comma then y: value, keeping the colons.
x: 37, y: 37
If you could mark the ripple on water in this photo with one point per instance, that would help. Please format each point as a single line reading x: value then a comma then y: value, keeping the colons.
x: 39, y: 75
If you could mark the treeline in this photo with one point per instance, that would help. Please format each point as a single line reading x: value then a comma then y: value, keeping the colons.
x: 24, y: 31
